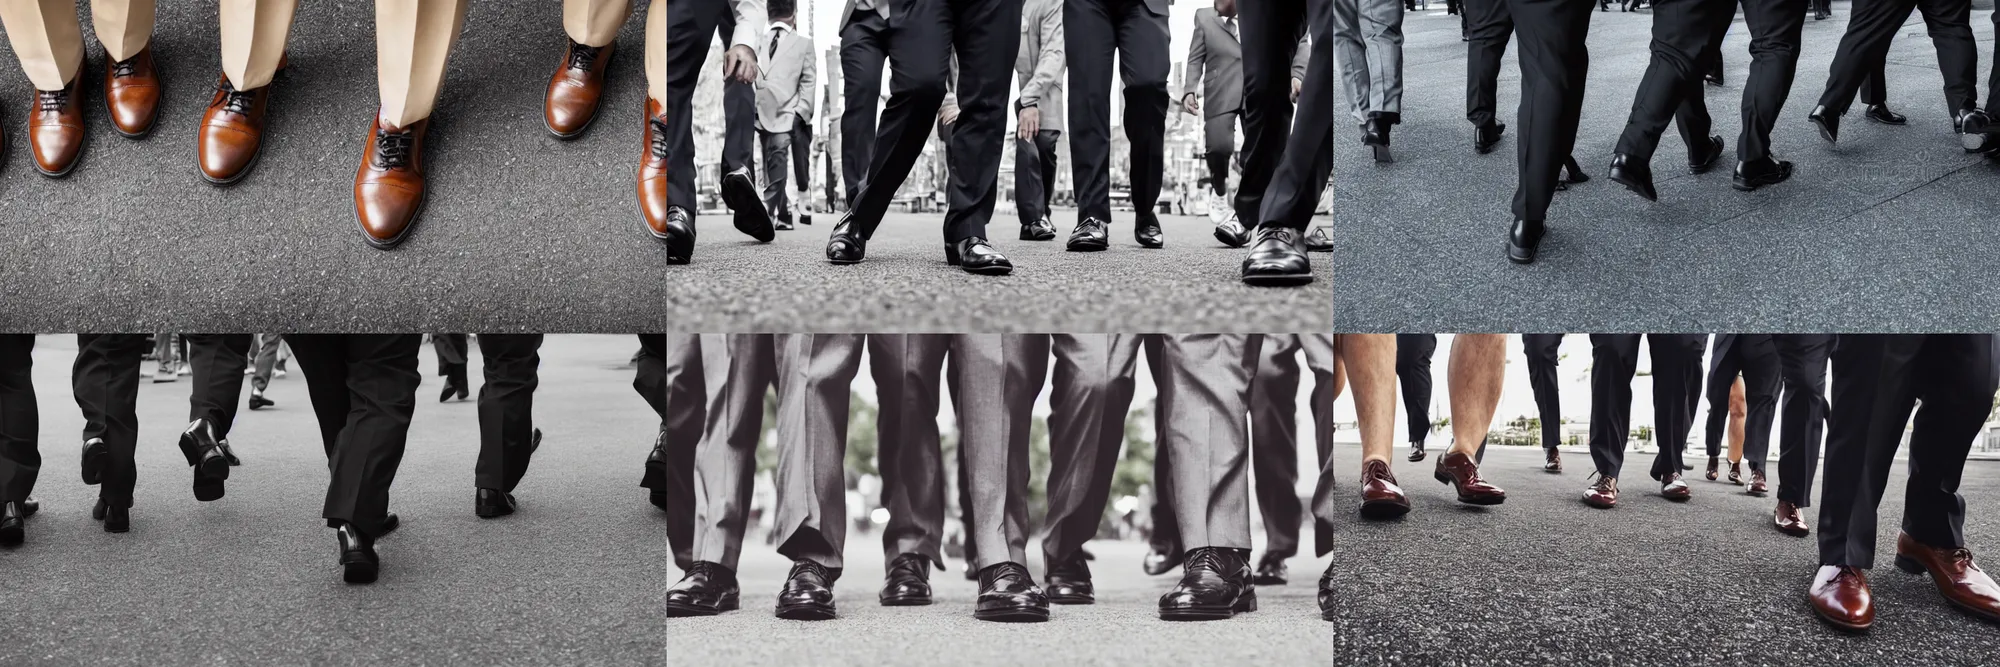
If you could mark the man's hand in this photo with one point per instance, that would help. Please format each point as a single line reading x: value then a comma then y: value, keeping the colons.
x: 1192, y: 105
x: 740, y: 64
x: 1031, y: 122
x: 1296, y: 86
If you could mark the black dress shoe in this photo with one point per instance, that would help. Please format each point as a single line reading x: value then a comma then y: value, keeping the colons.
x: 490, y: 503
x: 976, y: 256
x: 1271, y: 571
x: 707, y: 590
x: 258, y: 402
x: 908, y: 583
x: 227, y: 453
x: 1160, y: 561
x: 1973, y: 126
x: 846, y: 245
x: 1146, y: 230
x: 1090, y: 235
x: 29, y: 507
x: 1278, y: 259
x: 808, y: 592
x: 1485, y: 137
x: 1319, y: 240
x: 1523, y: 240
x: 1038, y: 230
x: 117, y: 519
x: 1232, y: 233
x: 96, y: 456
x: 1215, y: 586
x: 358, y: 562
x: 1375, y: 135
x: 1572, y: 172
x: 1634, y: 174
x: 1880, y: 113
x: 739, y: 191
x: 1069, y: 581
x: 97, y: 511
x: 204, y: 453
x: 13, y: 524
x: 783, y: 224
x: 1759, y: 173
x: 1416, y: 451
x: 680, y: 235
x: 1712, y: 78
x: 1007, y: 593
x: 1326, y: 594
x: 1699, y: 162
x: 655, y: 477
x: 1827, y: 122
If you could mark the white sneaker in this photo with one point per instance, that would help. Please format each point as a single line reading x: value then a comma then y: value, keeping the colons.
x: 1219, y: 210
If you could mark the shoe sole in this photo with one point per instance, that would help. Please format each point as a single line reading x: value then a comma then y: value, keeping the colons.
x: 1230, y: 239
x: 806, y: 612
x: 359, y: 572
x: 1383, y: 509
x: 1091, y: 246
x: 677, y: 252
x: 12, y: 536
x: 1678, y: 499
x: 95, y: 458
x: 1600, y: 505
x: 1381, y: 153
x: 1021, y: 615
x: 1469, y: 500
x: 1795, y: 532
x: 743, y: 203
x: 1269, y: 582
x: 1836, y: 624
x: 1247, y: 603
x: 905, y: 602
x: 1283, y: 280
x: 1636, y: 188
x: 675, y: 610
x: 1519, y: 254
x: 580, y: 129
x: 1073, y: 599
x: 1825, y: 132
x: 491, y: 512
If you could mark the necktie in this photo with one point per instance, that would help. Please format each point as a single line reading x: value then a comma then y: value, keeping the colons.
x: 1230, y: 25
x: 776, y: 33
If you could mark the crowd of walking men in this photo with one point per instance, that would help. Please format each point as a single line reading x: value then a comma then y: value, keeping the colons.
x: 950, y: 66
x: 1686, y: 51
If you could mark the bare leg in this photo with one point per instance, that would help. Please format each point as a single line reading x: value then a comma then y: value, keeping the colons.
x: 1370, y: 360
x: 1478, y: 370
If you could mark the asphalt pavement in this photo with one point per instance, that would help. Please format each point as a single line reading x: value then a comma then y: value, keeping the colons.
x: 522, y: 231
x: 1891, y: 230
x: 574, y: 577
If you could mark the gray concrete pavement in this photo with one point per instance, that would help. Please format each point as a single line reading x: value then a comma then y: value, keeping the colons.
x: 1888, y: 231
x: 573, y: 578
x: 522, y: 231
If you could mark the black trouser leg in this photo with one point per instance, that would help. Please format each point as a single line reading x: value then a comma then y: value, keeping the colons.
x: 1862, y: 49
x: 690, y: 28
x: 218, y: 362
x: 1554, y: 62
x: 20, y: 424
x: 1541, y: 351
x: 918, y: 46
x: 987, y: 38
x: 1950, y: 27
x: 1274, y: 445
x: 1267, y: 105
x: 1762, y: 380
x: 863, y: 51
x: 1956, y: 395
x: 1802, y: 362
x: 511, y: 363
x: 1671, y: 86
x: 1090, y: 43
x: 1143, y: 66
x: 1488, y: 29
x: 1302, y: 171
x: 106, y: 384
x: 1034, y: 174
x: 1676, y: 389
x: 1614, y: 359
x: 1724, y: 363
x: 1775, y: 34
x: 452, y: 351
x: 1413, y: 371
x: 363, y: 389
x: 1218, y: 171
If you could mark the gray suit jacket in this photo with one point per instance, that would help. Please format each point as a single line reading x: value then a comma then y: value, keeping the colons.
x: 1214, y: 66
x: 785, y: 83
x: 1040, y: 63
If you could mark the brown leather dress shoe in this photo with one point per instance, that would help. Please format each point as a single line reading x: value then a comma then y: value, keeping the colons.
x: 1790, y: 521
x: 575, y: 89
x: 232, y: 132
x: 670, y: 224
x: 1553, y: 463
x: 1458, y: 470
x: 389, y: 186
x: 1757, y: 486
x: 1958, y: 579
x: 55, y: 129
x: 1381, y: 498
x: 1603, y: 493
x: 132, y: 94
x: 1672, y: 487
x: 1839, y: 594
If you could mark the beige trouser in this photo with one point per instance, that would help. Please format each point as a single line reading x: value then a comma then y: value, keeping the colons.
x: 49, y: 39
x: 412, y: 40
x: 253, y: 39
x: 596, y: 23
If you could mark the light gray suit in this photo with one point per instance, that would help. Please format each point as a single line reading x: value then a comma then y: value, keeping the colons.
x: 1204, y: 399
x: 1368, y: 38
x: 784, y: 113
x: 1088, y: 404
x: 1214, y: 75
x: 1039, y: 69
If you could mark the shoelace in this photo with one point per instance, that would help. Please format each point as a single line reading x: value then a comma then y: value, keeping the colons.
x: 393, y: 148
x: 659, y: 143
x: 1207, y: 559
x: 1844, y: 573
x: 583, y: 57
x: 825, y: 576
x: 1602, y: 484
x: 52, y: 100
x: 1285, y: 235
x: 910, y: 563
x: 236, y: 101
x: 125, y: 68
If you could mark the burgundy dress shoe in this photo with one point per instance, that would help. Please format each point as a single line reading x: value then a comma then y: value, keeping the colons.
x: 1381, y: 498
x: 707, y: 590
x: 1958, y: 579
x: 1839, y: 594
x: 1714, y: 467
x: 1789, y: 520
x: 1603, y: 493
x: 1554, y: 463
x: 1673, y: 488
x: 1757, y: 486
x: 1736, y: 473
x: 1458, y: 470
